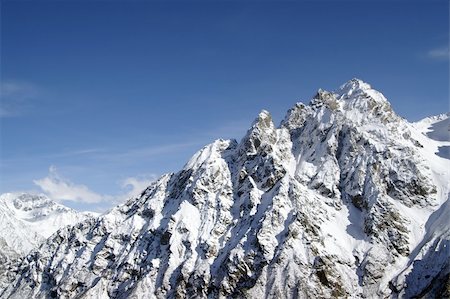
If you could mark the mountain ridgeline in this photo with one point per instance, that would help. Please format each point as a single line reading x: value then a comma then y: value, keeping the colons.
x: 26, y: 221
x: 344, y: 199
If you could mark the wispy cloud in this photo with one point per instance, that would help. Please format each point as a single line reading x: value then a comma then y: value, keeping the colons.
x: 148, y: 151
x: 441, y: 53
x: 19, y: 89
x: 62, y: 189
x: 73, y: 153
x: 233, y: 129
x: 16, y: 97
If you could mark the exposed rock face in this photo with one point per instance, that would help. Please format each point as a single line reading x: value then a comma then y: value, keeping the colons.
x: 343, y: 199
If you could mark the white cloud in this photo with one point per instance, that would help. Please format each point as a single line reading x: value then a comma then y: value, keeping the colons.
x: 441, y: 53
x: 60, y: 189
x: 136, y: 185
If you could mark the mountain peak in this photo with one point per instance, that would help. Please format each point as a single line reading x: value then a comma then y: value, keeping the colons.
x: 32, y: 206
x: 27, y: 219
x: 262, y: 131
x: 335, y: 202
x: 27, y: 201
x: 353, y: 86
x: 264, y: 118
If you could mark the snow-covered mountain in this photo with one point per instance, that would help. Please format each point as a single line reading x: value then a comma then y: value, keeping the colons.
x: 343, y: 199
x: 26, y: 220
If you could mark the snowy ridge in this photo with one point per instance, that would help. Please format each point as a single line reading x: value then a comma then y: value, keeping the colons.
x: 27, y: 220
x: 343, y: 199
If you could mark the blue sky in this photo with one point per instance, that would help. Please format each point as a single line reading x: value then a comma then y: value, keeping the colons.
x: 100, y: 97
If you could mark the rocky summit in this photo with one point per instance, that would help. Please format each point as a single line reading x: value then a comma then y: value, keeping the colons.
x: 344, y: 199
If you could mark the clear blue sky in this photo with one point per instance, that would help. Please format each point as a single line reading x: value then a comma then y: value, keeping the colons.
x: 114, y: 92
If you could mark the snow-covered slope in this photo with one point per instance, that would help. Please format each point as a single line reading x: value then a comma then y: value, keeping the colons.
x: 343, y: 199
x: 26, y: 220
x: 437, y: 128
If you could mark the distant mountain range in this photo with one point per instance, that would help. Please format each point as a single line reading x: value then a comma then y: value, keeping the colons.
x: 27, y: 220
x: 344, y: 199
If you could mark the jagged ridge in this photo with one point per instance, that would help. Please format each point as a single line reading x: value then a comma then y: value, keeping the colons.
x: 341, y: 200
